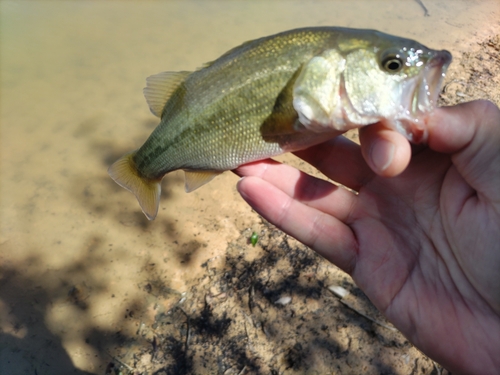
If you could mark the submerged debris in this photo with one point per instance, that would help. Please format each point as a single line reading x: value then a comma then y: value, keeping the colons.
x: 426, y: 12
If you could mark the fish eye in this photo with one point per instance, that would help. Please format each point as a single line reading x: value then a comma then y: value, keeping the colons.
x: 392, y: 64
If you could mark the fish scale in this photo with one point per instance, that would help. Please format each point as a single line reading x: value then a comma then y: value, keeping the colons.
x: 212, y: 135
x: 280, y: 93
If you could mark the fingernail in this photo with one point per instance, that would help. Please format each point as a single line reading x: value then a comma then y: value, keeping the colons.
x: 381, y: 154
x: 238, y: 183
x: 244, y: 195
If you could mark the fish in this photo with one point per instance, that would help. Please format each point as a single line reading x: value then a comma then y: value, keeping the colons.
x: 277, y: 94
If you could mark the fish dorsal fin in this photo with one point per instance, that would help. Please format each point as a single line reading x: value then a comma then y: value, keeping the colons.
x: 160, y: 87
x: 226, y: 54
x: 195, y: 179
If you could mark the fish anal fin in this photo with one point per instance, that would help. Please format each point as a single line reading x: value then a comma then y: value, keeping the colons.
x: 147, y: 191
x: 195, y: 179
x: 160, y: 87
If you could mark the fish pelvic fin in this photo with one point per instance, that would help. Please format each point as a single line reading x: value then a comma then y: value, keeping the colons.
x: 147, y: 191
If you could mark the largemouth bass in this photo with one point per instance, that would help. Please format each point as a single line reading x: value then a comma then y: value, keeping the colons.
x: 276, y: 94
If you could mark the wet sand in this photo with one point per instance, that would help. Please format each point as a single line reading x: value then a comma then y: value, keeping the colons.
x: 78, y: 259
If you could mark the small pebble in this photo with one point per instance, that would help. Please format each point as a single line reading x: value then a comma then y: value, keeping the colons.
x: 338, y: 291
x: 285, y: 300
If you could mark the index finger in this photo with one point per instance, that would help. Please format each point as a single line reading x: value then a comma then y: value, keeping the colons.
x: 339, y: 159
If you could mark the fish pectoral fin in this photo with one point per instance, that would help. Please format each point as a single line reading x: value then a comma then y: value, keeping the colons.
x: 147, y: 192
x: 195, y: 179
x: 160, y: 87
x: 282, y: 119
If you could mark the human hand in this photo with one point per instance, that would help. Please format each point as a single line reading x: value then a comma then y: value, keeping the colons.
x: 421, y: 237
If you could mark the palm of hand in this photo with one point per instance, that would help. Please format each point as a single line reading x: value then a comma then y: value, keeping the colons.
x: 420, y: 245
x: 431, y: 272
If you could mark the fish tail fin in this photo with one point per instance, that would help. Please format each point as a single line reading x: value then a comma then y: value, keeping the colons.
x: 124, y: 173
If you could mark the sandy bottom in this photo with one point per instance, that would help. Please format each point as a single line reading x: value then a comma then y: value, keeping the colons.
x: 89, y: 286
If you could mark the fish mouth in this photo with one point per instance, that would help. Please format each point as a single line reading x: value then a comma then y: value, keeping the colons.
x: 422, y: 96
x: 427, y: 91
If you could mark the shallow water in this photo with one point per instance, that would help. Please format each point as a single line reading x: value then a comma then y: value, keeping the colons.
x: 75, y: 249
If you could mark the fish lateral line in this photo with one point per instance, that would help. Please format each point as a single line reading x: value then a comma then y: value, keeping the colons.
x: 276, y: 94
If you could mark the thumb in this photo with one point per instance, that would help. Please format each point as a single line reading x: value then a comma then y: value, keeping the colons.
x: 387, y: 152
